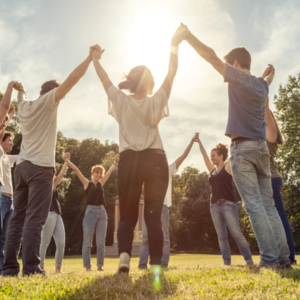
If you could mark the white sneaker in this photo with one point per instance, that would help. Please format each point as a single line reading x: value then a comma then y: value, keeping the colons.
x: 124, y: 263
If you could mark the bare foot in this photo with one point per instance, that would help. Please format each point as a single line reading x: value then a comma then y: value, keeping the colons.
x: 100, y: 269
x: 88, y: 269
x: 57, y: 270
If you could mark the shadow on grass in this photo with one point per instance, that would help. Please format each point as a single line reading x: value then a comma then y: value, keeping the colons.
x: 290, y: 274
x: 124, y: 287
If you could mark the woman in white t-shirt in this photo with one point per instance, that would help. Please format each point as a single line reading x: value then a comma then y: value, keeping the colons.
x: 142, y: 156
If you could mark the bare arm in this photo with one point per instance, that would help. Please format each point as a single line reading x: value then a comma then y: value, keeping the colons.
x: 186, y: 152
x: 111, y: 169
x: 206, y: 53
x: 269, y: 74
x: 60, y: 175
x: 97, y: 54
x: 73, y: 78
x: 6, y: 100
x: 207, y: 161
x: 83, y: 180
x: 228, y: 168
x: 271, y: 130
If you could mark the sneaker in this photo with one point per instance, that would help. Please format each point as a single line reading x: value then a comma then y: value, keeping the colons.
x: 262, y: 264
x: 286, y: 266
x: 124, y: 263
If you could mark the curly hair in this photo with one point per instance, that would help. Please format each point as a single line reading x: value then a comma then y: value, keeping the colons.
x: 48, y: 86
x: 7, y: 134
x: 221, y: 149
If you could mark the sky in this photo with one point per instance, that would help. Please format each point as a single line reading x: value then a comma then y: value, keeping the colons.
x: 43, y: 40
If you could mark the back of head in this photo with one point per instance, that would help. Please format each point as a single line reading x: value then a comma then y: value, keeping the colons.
x: 221, y: 149
x: 280, y: 139
x: 133, y: 79
x: 48, y: 86
x: 241, y: 55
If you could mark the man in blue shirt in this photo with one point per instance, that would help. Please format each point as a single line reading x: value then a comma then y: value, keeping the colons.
x: 249, y: 152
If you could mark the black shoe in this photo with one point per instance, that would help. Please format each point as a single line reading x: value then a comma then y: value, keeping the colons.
x: 37, y: 272
x: 294, y: 262
x: 286, y: 266
x: 9, y: 274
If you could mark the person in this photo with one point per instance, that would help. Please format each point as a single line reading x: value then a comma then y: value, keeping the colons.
x: 5, y: 107
x: 54, y: 225
x: 34, y: 172
x: 144, y: 251
x: 142, y: 156
x: 7, y: 190
x: 223, y: 207
x: 249, y: 151
x: 274, y: 138
x: 95, y: 218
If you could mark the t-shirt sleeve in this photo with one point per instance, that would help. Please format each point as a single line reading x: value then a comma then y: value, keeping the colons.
x: 47, y: 101
x: 235, y: 76
x: 12, y: 159
x: 172, y: 169
x: 160, y: 106
x: 115, y: 98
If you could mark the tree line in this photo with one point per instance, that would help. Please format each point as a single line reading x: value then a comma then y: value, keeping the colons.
x: 191, y: 227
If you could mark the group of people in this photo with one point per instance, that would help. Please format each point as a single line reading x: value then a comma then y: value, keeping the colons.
x: 142, y: 165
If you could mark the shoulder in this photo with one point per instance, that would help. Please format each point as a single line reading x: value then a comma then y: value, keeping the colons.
x: 113, y: 92
x: 160, y: 95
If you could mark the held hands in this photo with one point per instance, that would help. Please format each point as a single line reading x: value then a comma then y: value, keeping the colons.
x: 117, y: 157
x: 270, y: 70
x: 97, y: 52
x: 15, y: 85
x: 66, y: 156
x: 180, y: 34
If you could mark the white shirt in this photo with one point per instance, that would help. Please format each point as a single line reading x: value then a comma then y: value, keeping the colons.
x: 1, y: 169
x: 38, y: 122
x: 7, y: 163
x: 138, y: 119
x: 168, y: 197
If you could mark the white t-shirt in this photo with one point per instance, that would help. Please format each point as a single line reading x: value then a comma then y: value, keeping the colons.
x: 138, y: 119
x: 1, y: 169
x: 39, y: 129
x: 168, y: 197
x: 7, y: 163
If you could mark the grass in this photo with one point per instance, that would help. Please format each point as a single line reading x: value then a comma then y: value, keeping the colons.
x: 190, y: 276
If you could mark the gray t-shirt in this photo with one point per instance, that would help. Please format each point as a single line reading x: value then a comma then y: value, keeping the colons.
x: 247, y: 99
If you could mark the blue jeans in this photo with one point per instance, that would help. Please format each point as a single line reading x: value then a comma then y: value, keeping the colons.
x: 144, y: 252
x: 250, y: 164
x: 95, y: 218
x: 277, y: 185
x: 6, y: 211
x: 225, y: 213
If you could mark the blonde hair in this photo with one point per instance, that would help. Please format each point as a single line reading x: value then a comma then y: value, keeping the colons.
x: 98, y: 167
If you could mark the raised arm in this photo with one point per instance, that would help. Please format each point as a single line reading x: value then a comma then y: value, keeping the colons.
x: 73, y: 78
x: 177, y: 38
x: 62, y: 172
x: 97, y: 54
x: 83, y: 180
x: 206, y: 52
x: 6, y: 100
x: 186, y: 152
x: 269, y: 74
x: 111, y: 169
x: 271, y: 130
x: 207, y: 161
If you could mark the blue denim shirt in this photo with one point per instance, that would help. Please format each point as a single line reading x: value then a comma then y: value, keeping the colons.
x: 247, y: 99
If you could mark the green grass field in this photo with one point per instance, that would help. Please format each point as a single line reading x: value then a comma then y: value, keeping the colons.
x: 190, y: 276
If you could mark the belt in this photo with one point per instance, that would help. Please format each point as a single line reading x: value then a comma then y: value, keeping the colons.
x: 240, y: 140
x: 157, y: 151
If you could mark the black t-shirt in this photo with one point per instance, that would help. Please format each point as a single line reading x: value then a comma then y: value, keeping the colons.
x: 94, y: 194
x: 55, y: 205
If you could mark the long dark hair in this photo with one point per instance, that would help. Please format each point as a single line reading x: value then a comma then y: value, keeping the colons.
x: 280, y: 139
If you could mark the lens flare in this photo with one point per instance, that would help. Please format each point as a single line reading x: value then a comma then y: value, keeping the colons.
x: 157, y: 282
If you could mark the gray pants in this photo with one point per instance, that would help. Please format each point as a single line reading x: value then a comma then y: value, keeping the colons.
x: 32, y: 198
x: 54, y: 226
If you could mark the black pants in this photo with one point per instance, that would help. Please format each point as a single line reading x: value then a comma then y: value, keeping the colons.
x: 135, y: 168
x: 32, y: 199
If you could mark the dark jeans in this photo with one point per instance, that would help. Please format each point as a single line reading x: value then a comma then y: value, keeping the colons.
x: 148, y: 167
x: 32, y: 198
x: 6, y: 212
x: 277, y: 185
